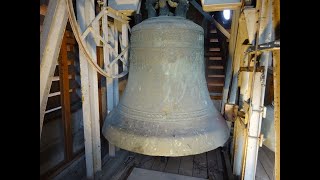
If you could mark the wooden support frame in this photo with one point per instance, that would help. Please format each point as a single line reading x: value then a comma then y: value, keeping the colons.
x: 111, y: 83
x: 220, y: 5
x: 242, y: 35
x: 89, y: 89
x: 50, y: 41
x: 125, y: 42
x: 276, y: 82
x: 232, y: 44
x: 254, y: 126
x: 253, y: 140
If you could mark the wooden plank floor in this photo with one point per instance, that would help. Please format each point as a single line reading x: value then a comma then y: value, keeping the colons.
x: 265, y: 166
x: 209, y: 165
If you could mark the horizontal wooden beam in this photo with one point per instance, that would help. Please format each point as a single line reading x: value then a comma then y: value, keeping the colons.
x: 214, y: 5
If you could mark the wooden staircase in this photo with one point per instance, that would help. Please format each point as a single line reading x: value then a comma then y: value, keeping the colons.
x: 215, y: 64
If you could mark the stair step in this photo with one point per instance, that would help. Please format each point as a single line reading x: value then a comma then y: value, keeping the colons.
x: 215, y: 67
x: 216, y: 96
x: 212, y: 54
x: 213, y: 31
x: 215, y: 84
x: 216, y: 76
x: 214, y: 40
x: 214, y: 49
x: 217, y: 58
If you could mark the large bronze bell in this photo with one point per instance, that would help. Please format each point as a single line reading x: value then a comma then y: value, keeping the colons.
x: 165, y: 109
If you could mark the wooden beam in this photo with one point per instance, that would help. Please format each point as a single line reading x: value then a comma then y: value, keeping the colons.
x: 89, y: 88
x: 221, y: 28
x: 232, y: 44
x: 125, y: 43
x: 250, y: 17
x: 110, y: 81
x: 211, y: 19
x: 276, y: 83
x: 50, y: 41
x: 115, y: 70
x: 115, y: 67
x: 239, y: 53
x: 264, y: 31
x: 253, y: 133
x: 220, y: 5
x: 65, y: 99
x: 101, y: 88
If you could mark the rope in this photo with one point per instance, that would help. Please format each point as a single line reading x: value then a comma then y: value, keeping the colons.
x: 76, y: 31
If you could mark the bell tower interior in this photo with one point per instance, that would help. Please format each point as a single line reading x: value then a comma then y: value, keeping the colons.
x: 127, y: 91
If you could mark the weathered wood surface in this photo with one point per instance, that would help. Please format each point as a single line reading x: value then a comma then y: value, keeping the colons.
x: 143, y: 174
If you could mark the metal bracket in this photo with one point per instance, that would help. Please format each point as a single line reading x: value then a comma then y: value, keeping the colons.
x: 250, y: 69
x: 270, y: 46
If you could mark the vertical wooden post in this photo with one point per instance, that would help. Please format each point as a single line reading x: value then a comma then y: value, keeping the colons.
x: 276, y: 83
x: 65, y: 98
x: 109, y: 37
x: 264, y: 34
x: 101, y: 88
x: 115, y: 67
x: 232, y: 44
x: 240, y: 131
x: 253, y: 129
x: 116, y: 71
x: 242, y: 35
x: 50, y: 41
x: 89, y: 88
x: 125, y: 42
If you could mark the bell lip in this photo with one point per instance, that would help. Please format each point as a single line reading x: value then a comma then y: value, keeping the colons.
x: 166, y: 138
x: 167, y: 146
